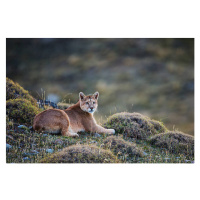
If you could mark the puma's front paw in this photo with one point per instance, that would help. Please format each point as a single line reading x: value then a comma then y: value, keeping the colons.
x: 111, y: 131
x: 76, y: 135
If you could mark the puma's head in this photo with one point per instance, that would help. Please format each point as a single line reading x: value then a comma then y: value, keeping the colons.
x: 88, y: 103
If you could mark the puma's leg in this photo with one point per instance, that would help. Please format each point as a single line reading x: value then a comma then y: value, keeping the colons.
x: 72, y: 134
x: 68, y: 132
x: 100, y: 129
x: 37, y: 128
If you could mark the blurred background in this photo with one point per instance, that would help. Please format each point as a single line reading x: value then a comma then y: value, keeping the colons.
x: 152, y: 76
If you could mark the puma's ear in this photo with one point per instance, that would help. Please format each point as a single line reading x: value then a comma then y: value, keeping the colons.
x: 81, y: 96
x: 96, y: 95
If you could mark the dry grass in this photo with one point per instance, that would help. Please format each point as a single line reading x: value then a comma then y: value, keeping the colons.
x: 81, y: 154
x: 175, y: 142
x: 135, y: 125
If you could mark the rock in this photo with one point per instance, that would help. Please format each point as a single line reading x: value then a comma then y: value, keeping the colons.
x: 8, y: 147
x: 22, y: 126
x: 97, y: 135
x: 144, y: 153
x: 26, y: 158
x: 34, y: 152
x: 31, y: 153
x: 49, y: 150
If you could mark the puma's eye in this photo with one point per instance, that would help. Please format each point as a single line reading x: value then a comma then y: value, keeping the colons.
x: 87, y: 103
x: 93, y: 102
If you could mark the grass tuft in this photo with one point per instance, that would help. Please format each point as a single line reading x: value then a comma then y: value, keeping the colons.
x: 81, y: 154
x: 135, y: 125
x: 175, y: 142
x: 120, y: 147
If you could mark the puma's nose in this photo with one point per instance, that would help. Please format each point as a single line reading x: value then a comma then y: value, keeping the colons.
x: 91, y: 108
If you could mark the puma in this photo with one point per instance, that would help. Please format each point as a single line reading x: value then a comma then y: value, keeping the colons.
x: 69, y: 122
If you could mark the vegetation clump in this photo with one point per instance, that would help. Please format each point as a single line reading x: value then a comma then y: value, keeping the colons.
x: 15, y: 91
x: 120, y: 146
x: 21, y: 110
x: 175, y: 142
x: 135, y: 125
x: 81, y: 154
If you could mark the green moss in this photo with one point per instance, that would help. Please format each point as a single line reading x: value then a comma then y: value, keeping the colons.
x: 135, y: 125
x: 15, y: 91
x: 120, y: 146
x: 81, y: 154
x: 175, y: 142
x: 21, y: 110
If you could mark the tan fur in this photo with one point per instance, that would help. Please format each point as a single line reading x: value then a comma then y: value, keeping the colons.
x: 76, y: 118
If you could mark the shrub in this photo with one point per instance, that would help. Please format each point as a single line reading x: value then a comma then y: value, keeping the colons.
x: 119, y: 145
x: 15, y: 91
x: 21, y: 110
x: 175, y: 142
x: 81, y: 154
x: 135, y: 125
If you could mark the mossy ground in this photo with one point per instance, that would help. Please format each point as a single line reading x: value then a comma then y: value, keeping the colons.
x: 32, y: 147
x: 21, y: 107
x: 21, y: 110
x: 138, y: 139
x: 15, y: 91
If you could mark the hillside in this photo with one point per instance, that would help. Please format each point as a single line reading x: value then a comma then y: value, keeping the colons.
x: 138, y: 138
